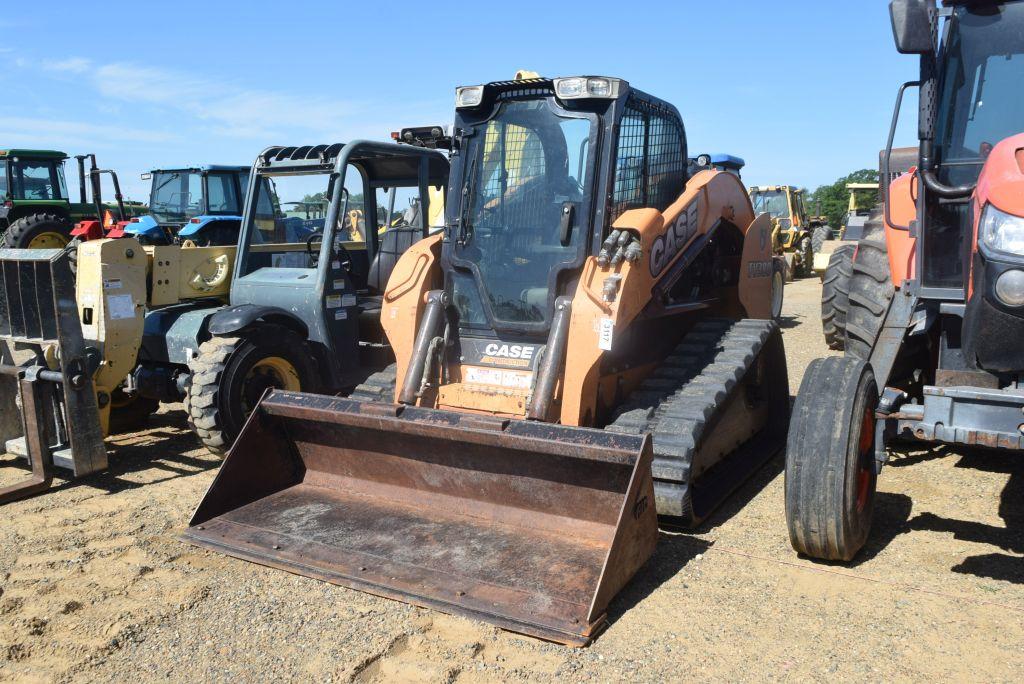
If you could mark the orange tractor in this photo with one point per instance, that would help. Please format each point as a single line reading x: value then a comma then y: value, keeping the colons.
x: 587, y: 345
x: 936, y: 303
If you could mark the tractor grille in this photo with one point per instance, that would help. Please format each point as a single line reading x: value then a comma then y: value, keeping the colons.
x: 29, y: 300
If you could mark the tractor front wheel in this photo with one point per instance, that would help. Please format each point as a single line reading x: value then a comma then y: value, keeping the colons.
x: 230, y: 374
x: 830, y: 459
x: 38, y: 231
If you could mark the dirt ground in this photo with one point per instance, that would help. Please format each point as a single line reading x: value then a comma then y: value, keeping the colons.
x: 95, y: 585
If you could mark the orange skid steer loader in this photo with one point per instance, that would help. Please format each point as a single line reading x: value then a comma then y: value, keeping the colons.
x: 584, y: 347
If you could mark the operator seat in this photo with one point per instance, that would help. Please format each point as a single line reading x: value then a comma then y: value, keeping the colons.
x: 393, y: 243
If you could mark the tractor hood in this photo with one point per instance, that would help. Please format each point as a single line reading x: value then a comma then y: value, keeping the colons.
x: 1002, y: 179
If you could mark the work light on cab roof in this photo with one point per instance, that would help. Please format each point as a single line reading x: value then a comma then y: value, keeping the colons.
x: 568, y: 88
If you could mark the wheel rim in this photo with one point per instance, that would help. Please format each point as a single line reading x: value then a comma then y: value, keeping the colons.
x: 777, y: 286
x: 271, y: 372
x: 865, y: 458
x: 48, y: 240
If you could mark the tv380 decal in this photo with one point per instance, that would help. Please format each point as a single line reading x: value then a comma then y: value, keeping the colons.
x: 679, y: 232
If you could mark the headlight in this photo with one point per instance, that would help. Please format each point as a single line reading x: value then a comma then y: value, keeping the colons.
x: 582, y: 87
x: 468, y: 96
x: 1001, y: 232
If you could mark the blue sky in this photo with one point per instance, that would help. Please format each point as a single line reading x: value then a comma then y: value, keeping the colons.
x: 802, y: 89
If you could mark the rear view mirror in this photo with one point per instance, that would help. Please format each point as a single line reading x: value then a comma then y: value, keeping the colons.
x: 146, y: 176
x: 912, y: 26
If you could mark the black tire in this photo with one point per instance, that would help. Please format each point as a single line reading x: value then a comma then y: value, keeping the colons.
x: 830, y: 470
x: 28, y: 228
x: 835, y: 296
x: 128, y: 413
x: 224, y: 388
x: 72, y: 250
x: 819, y: 234
x: 871, y: 289
x: 778, y: 287
x: 806, y: 250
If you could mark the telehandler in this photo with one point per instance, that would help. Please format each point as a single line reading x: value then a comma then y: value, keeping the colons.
x: 587, y: 345
x: 936, y: 305
x: 211, y: 326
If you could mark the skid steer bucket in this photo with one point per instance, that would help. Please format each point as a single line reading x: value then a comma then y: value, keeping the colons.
x: 45, y: 363
x: 531, y: 526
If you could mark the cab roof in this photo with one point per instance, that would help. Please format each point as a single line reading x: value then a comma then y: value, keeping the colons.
x: 774, y: 188
x: 204, y: 168
x: 32, y: 154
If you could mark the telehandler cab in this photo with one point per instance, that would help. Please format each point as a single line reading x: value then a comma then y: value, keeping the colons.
x: 936, y: 304
x: 587, y: 345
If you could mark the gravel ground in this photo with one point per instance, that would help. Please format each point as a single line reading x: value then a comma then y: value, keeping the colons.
x: 95, y: 585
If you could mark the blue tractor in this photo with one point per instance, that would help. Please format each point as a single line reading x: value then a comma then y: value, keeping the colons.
x: 201, y: 204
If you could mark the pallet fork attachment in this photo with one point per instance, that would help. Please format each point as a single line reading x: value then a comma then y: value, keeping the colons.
x: 59, y: 415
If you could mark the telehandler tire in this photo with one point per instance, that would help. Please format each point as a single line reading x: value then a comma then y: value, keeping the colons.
x: 871, y: 290
x: 806, y: 250
x: 835, y: 296
x: 230, y: 374
x: 128, y: 413
x: 830, y: 459
x: 38, y: 231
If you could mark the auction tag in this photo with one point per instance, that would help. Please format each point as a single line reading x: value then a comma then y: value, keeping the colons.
x: 605, y: 331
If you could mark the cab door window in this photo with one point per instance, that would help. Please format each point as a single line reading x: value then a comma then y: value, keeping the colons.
x: 37, y: 180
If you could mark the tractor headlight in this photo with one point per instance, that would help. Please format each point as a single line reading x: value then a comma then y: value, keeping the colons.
x: 468, y: 96
x: 1001, y: 232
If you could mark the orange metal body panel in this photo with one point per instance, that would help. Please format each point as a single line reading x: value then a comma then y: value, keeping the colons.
x: 902, y: 209
x: 709, y: 196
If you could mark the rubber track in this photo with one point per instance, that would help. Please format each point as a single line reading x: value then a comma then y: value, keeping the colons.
x: 682, y: 397
x: 378, y: 387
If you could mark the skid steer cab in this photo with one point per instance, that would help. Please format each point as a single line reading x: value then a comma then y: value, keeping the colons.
x: 936, y: 298
x: 586, y: 345
x: 290, y: 308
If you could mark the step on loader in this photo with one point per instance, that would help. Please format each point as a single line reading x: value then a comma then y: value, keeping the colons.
x: 585, y: 347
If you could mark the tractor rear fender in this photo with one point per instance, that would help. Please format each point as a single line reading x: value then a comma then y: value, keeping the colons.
x: 237, y: 319
x: 902, y: 210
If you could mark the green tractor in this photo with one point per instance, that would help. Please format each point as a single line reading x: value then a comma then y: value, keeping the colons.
x: 36, y: 210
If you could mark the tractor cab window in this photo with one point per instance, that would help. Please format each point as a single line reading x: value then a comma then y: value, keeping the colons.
x: 38, y: 180
x: 981, y: 101
x: 176, y: 196
x: 290, y: 219
x: 4, y: 188
x: 222, y: 195
x: 525, y: 169
x: 771, y: 202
